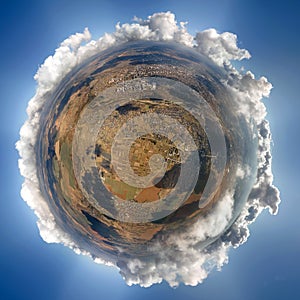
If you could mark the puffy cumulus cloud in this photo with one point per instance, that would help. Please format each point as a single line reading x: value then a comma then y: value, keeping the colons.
x: 220, y: 47
x: 248, y: 92
x: 163, y: 27
x: 177, y: 258
x: 174, y: 267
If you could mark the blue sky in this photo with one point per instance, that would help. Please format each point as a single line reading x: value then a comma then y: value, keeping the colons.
x: 267, y: 266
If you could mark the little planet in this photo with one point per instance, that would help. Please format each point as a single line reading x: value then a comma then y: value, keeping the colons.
x: 139, y: 143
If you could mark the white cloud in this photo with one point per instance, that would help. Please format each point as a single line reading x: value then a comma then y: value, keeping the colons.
x: 243, y: 171
x: 220, y: 47
x: 181, y: 260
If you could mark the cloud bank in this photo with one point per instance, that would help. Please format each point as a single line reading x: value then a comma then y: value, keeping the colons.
x: 181, y: 260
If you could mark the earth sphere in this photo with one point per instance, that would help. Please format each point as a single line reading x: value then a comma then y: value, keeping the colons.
x: 140, y: 142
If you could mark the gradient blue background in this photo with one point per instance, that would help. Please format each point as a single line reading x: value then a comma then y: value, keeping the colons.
x: 267, y: 266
